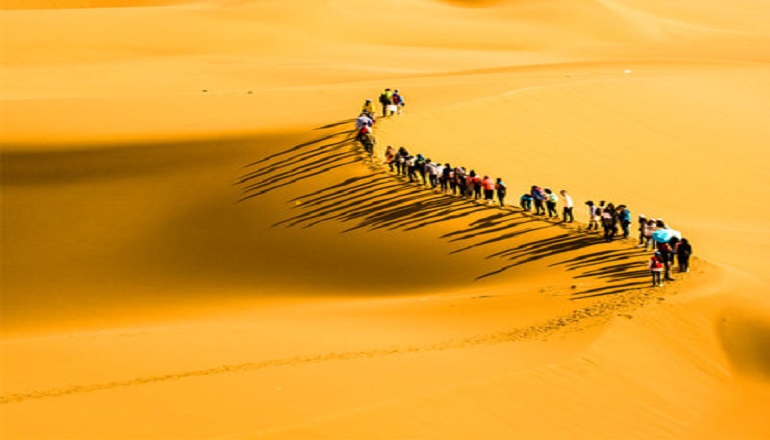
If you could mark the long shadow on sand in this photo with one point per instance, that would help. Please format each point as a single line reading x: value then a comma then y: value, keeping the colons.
x: 381, y: 200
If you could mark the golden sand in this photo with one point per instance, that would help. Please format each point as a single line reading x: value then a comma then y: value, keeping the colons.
x: 194, y: 247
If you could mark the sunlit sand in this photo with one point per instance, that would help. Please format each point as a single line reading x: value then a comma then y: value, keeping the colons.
x: 194, y: 245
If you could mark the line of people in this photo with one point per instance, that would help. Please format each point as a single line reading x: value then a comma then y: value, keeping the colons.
x: 392, y: 103
x: 444, y: 177
x: 668, y: 244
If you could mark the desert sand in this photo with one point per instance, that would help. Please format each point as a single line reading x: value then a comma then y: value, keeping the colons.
x: 194, y: 247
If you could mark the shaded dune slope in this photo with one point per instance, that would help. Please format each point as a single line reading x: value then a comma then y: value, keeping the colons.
x: 334, y: 223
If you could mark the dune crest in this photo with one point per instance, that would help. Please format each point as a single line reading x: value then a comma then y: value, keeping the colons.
x: 86, y: 4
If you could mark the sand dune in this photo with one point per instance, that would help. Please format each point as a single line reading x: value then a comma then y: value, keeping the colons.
x: 194, y: 247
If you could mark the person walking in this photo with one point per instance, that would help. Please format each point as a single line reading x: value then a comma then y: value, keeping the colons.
x: 642, y: 224
x: 432, y: 170
x: 411, y: 170
x: 683, y: 252
x: 609, y: 222
x: 386, y: 99
x: 673, y: 243
x: 445, y: 178
x: 567, y: 206
x: 364, y: 121
x: 538, y: 196
x: 462, y: 181
x: 489, y: 189
x: 526, y: 201
x: 649, y: 228
x: 624, y: 217
x: 390, y: 157
x: 368, y: 109
x: 401, y: 161
x: 454, y: 180
x: 364, y: 134
x: 550, y: 203
x: 398, y: 101
x: 475, y: 185
x: 501, y: 190
x: 419, y: 168
x: 593, y: 216
x: 665, y: 251
x: 656, y: 267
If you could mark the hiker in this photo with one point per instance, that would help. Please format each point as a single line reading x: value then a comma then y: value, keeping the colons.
x: 673, y: 243
x: 649, y: 228
x: 550, y: 203
x: 642, y: 225
x: 363, y: 121
x: 367, y: 140
x: 419, y: 167
x: 398, y: 101
x: 526, y: 201
x: 538, y: 196
x: 501, y: 190
x: 475, y: 185
x: 609, y: 222
x: 409, y: 164
x: 489, y: 186
x: 624, y: 217
x: 445, y: 178
x: 665, y: 251
x: 567, y: 208
x: 433, y: 170
x: 656, y: 267
x: 453, y: 180
x: 401, y: 161
x: 368, y: 109
x: 386, y: 99
x: 462, y: 181
x: 683, y: 252
x: 390, y: 157
x: 593, y: 216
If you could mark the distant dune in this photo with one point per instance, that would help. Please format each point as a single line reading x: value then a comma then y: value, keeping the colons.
x: 194, y: 245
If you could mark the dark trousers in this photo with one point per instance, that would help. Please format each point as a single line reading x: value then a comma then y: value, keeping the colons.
x: 551, y: 209
x: 666, y: 257
x: 567, y: 214
x: 609, y: 232
x: 412, y: 174
x: 539, y: 207
x: 625, y: 226
x: 656, y: 281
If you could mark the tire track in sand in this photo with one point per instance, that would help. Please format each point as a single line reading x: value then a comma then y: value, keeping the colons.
x: 603, y: 309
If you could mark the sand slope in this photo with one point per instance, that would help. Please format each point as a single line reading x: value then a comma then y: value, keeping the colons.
x: 193, y: 246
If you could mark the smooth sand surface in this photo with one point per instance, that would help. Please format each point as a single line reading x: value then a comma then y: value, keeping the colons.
x: 194, y: 247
